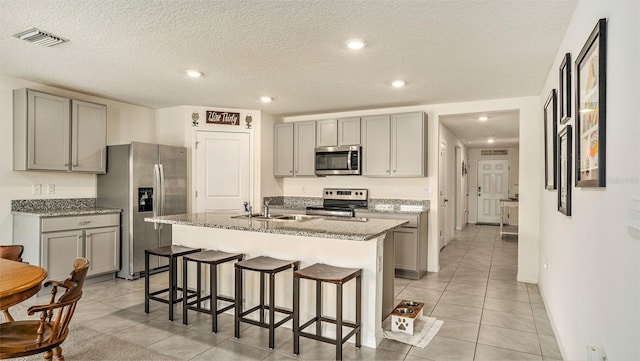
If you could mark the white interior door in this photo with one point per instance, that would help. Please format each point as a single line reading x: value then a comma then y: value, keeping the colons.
x: 442, y: 194
x: 222, y: 171
x: 493, y: 185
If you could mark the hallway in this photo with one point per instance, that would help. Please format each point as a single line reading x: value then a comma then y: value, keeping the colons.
x: 488, y: 314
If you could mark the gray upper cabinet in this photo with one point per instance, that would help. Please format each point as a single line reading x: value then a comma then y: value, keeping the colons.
x: 332, y: 132
x: 55, y: 133
x: 294, y: 147
x: 283, y: 149
x: 304, y: 144
x: 88, y: 137
x: 376, y: 145
x: 394, y: 145
x: 327, y: 133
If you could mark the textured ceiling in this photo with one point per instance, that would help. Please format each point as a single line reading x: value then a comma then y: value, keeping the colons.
x: 502, y: 126
x: 137, y: 50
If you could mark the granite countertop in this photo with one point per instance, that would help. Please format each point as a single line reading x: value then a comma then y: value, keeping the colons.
x: 314, y: 227
x: 57, y: 207
x: 401, y: 206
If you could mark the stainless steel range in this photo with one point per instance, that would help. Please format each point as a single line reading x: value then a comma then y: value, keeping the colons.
x: 340, y: 202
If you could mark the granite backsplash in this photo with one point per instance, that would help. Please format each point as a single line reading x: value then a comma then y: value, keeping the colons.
x: 56, y: 204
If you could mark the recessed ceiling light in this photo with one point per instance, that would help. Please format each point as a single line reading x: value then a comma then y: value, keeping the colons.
x: 398, y: 83
x: 266, y: 99
x: 194, y: 73
x: 483, y: 118
x: 356, y: 44
x: 490, y: 140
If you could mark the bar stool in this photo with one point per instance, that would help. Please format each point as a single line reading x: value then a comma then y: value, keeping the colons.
x: 172, y: 252
x: 264, y: 265
x: 339, y: 276
x: 213, y: 259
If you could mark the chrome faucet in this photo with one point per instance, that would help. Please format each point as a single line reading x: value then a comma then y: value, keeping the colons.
x: 247, y: 208
x: 265, y: 209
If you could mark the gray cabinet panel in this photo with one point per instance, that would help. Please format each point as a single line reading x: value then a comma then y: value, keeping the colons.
x: 376, y: 146
x: 304, y: 143
x: 326, y: 133
x: 349, y: 131
x: 283, y: 148
x: 102, y: 248
x: 59, y: 249
x: 88, y: 137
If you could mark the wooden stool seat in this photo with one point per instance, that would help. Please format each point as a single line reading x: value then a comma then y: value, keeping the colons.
x: 326, y: 273
x: 172, y: 252
x: 213, y: 259
x: 264, y: 265
x: 319, y: 273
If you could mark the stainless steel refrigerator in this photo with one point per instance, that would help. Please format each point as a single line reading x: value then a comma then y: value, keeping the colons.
x: 144, y: 180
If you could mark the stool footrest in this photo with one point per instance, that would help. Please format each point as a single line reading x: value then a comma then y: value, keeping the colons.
x: 355, y: 328
x: 265, y: 325
x: 152, y: 295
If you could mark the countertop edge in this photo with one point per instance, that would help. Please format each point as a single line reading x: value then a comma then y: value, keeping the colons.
x: 67, y: 212
x: 277, y: 231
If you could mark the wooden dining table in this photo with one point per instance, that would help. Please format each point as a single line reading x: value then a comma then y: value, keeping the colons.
x: 18, y: 282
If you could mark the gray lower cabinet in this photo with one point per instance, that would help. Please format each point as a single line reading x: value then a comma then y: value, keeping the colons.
x: 410, y: 243
x: 54, y: 242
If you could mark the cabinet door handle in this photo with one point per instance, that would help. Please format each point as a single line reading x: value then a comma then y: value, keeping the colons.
x: 84, y: 222
x: 75, y: 165
x: 395, y: 170
x: 67, y: 164
x: 387, y: 171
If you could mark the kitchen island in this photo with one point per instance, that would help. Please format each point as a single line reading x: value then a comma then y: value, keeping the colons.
x: 343, y: 243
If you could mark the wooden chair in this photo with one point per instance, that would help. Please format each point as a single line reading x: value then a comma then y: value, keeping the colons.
x: 13, y: 253
x: 24, y: 338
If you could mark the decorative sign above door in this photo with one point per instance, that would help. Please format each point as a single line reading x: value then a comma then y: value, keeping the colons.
x: 228, y: 118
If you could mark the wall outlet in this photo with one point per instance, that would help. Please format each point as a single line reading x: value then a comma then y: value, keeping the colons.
x: 51, y: 188
x: 36, y: 189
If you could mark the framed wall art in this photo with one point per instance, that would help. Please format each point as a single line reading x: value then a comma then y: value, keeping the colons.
x: 565, y: 88
x: 564, y: 170
x: 591, y: 84
x: 550, y: 144
x: 228, y: 118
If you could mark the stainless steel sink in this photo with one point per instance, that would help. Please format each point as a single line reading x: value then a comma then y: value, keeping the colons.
x: 282, y: 218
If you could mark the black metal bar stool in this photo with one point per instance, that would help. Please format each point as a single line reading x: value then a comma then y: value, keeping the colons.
x: 264, y: 265
x: 172, y: 252
x: 339, y: 276
x: 213, y: 259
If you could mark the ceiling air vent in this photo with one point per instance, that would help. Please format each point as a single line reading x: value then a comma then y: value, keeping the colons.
x: 40, y: 37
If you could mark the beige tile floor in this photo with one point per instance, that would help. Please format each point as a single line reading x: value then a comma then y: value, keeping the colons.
x: 487, y: 314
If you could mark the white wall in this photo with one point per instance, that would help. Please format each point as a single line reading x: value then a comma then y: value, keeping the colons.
x: 591, y: 288
x: 174, y: 127
x: 474, y: 155
x: 426, y: 188
x: 125, y: 122
x: 452, y: 169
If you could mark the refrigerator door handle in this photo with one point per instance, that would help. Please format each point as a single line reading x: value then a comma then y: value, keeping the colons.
x: 162, y: 192
x: 156, y: 193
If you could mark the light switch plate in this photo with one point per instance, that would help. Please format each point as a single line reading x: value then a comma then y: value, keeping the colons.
x: 51, y: 188
x: 36, y: 189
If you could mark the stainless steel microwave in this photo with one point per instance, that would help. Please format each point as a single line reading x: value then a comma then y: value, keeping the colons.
x: 344, y: 160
